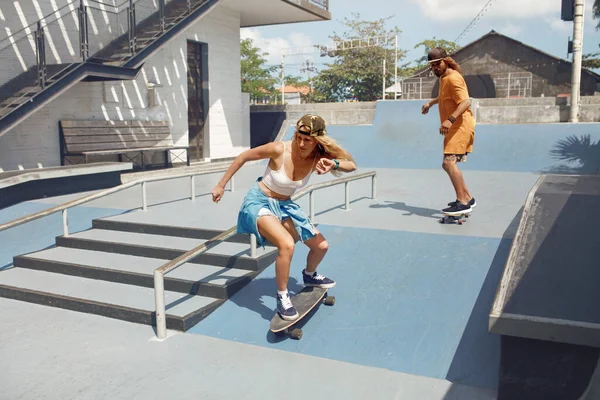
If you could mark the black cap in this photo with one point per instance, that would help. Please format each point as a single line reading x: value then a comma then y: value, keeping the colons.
x: 436, y: 54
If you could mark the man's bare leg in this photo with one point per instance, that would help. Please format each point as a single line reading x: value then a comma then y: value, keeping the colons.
x: 456, y: 177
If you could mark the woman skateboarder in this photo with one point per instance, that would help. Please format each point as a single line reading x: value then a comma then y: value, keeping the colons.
x: 267, y: 210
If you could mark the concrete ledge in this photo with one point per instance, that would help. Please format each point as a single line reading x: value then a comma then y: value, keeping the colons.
x: 19, y: 186
x: 548, y: 290
x: 11, y: 178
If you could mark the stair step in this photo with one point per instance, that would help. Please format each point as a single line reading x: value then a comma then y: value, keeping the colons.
x: 158, y: 229
x: 30, y: 91
x: 225, y: 254
x: 120, y: 56
x: 15, y: 101
x: 198, y: 279
x: 109, y: 299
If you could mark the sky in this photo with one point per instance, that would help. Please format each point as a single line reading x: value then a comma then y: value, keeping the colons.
x: 533, y: 22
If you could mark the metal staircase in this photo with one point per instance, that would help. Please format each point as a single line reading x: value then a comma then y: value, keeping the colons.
x: 94, y: 41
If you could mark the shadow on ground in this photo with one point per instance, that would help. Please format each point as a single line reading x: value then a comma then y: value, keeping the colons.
x: 476, y: 361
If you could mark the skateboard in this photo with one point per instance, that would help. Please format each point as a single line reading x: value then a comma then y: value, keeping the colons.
x: 304, y: 301
x: 459, y: 219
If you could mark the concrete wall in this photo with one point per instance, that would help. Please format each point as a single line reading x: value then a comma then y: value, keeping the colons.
x: 352, y: 113
x: 267, y: 120
x: 36, y: 140
x: 534, y: 110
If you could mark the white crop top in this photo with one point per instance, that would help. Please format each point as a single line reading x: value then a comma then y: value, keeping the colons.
x: 279, y: 182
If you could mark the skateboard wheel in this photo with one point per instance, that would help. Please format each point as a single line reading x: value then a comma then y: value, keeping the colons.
x: 329, y: 300
x: 296, y: 334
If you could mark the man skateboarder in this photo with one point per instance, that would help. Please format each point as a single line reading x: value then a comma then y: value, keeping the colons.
x: 458, y: 125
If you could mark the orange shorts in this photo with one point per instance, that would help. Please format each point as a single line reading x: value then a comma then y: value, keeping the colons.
x: 459, y: 142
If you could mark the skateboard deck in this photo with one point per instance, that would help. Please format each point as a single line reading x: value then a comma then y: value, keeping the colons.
x: 459, y: 219
x: 304, y: 301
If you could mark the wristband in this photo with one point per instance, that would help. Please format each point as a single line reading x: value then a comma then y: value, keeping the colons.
x: 337, y: 164
x: 451, y: 119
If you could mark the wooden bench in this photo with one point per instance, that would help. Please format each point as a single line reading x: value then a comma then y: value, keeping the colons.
x: 85, y: 138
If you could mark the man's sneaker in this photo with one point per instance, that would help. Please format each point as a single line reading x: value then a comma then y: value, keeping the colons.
x: 471, y: 203
x: 285, y: 308
x: 457, y: 209
x: 317, y: 281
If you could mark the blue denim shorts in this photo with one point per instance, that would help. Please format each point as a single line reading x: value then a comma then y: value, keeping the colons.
x: 257, y: 203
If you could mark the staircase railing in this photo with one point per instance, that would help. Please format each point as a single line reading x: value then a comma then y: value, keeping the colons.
x: 64, y: 208
x: 81, y: 31
x: 159, y: 273
x: 324, y: 4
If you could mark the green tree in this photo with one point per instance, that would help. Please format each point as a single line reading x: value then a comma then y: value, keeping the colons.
x: 357, y: 72
x: 256, y: 74
x: 592, y: 60
x: 410, y: 68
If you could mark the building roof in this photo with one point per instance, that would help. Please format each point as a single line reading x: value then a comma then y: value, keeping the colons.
x: 494, y: 33
x: 304, y: 90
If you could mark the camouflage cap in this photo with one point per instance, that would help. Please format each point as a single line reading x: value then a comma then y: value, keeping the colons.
x: 315, y: 124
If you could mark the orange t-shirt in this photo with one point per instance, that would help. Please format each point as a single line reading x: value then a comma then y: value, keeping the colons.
x: 453, y: 91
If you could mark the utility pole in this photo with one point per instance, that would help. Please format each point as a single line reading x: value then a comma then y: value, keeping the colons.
x: 577, y: 56
x: 282, y: 78
x: 310, y: 67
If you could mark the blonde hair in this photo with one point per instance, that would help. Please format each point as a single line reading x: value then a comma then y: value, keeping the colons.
x: 328, y: 147
x: 452, y: 64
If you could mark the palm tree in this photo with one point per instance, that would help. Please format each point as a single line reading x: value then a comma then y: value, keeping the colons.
x: 596, y: 12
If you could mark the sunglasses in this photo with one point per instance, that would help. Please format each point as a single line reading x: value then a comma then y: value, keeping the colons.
x: 435, y: 63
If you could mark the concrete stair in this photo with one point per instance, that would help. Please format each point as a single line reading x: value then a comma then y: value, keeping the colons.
x: 108, y: 270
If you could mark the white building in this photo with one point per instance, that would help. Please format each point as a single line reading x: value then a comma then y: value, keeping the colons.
x: 187, y: 74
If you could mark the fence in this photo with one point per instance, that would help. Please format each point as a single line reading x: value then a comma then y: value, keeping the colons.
x: 513, y: 84
x: 417, y: 88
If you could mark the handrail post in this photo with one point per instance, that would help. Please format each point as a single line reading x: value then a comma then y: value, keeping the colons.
x: 159, y: 302
x: 311, y: 206
x: 252, y: 245
x: 83, y: 32
x: 40, y: 44
x: 161, y: 10
x: 231, y: 185
x: 193, y: 187
x: 65, y: 219
x: 144, y: 199
x: 373, y: 186
x: 347, y: 190
x: 131, y: 27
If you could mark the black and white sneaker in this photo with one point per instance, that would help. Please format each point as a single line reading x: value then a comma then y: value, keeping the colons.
x: 285, y: 307
x: 457, y: 209
x: 471, y: 203
x: 317, y: 280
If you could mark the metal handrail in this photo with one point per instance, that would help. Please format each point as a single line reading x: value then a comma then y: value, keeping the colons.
x: 64, y: 207
x: 57, y: 16
x: 324, y: 4
x: 33, y: 25
x: 160, y: 272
